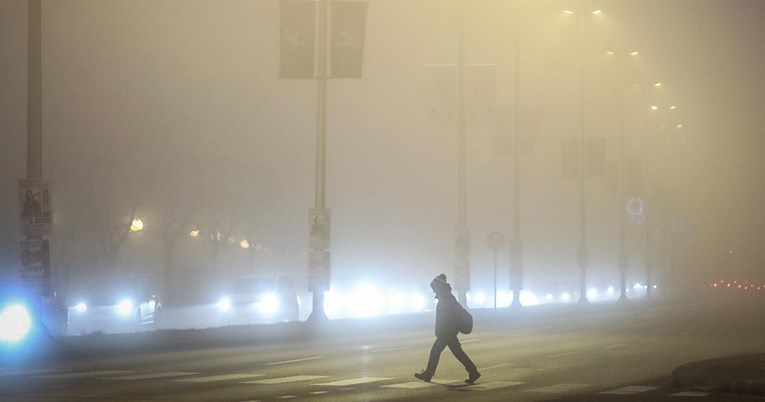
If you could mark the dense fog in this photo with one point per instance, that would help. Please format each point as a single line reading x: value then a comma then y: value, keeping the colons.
x: 173, y: 112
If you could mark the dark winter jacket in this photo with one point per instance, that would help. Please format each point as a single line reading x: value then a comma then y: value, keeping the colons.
x: 446, y: 315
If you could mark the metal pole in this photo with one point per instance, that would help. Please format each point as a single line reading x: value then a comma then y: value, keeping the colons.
x: 582, y: 254
x: 34, y: 91
x: 317, y: 312
x: 463, y: 236
x: 495, y: 279
x: 623, y: 262
x: 516, y: 246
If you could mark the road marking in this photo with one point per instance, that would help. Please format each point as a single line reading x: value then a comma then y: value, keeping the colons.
x: 288, y: 397
x: 446, y: 382
x: 354, y: 381
x: 495, y: 367
x: 493, y: 385
x: 629, y: 390
x: 390, y: 349
x: 282, y: 380
x: 85, y: 374
x: 318, y: 392
x: 559, y: 388
x: 296, y: 360
x: 409, y: 385
x: 562, y: 354
x: 153, y: 376
x: 470, y: 340
x: 30, y: 372
x: 690, y: 393
x: 618, y: 345
x: 212, y: 378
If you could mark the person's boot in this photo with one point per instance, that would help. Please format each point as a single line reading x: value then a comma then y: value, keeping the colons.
x: 472, y: 376
x: 422, y: 375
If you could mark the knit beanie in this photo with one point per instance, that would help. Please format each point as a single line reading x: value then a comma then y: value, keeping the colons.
x: 439, y: 283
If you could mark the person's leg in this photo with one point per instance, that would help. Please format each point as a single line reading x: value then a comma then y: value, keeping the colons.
x: 456, y: 348
x: 435, y: 355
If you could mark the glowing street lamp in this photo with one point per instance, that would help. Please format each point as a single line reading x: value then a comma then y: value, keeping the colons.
x: 136, y: 225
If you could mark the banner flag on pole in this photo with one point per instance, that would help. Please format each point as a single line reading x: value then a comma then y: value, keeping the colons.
x: 297, y: 39
x: 347, y: 38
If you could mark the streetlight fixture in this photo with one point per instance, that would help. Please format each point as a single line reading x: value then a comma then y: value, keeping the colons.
x: 136, y: 225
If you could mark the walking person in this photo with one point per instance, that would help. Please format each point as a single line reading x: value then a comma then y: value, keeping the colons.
x: 447, y: 327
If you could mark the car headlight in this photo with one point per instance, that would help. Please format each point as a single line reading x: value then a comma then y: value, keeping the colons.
x: 224, y: 304
x: 125, y: 307
x: 269, y: 304
x: 15, y: 323
x: 80, y: 307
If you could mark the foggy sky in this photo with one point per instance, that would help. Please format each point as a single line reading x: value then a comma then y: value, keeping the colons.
x: 154, y: 103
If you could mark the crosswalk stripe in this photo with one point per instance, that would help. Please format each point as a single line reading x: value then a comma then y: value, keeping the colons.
x: 630, y: 390
x: 559, y: 388
x: 690, y: 393
x: 85, y: 374
x: 296, y: 360
x: 29, y: 372
x: 153, y: 375
x: 562, y: 354
x: 354, y: 381
x: 492, y: 385
x: 282, y: 380
x: 446, y: 382
x: 409, y: 385
x: 213, y: 378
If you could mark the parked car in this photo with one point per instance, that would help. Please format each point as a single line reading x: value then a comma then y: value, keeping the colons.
x: 113, y: 305
x: 259, y: 299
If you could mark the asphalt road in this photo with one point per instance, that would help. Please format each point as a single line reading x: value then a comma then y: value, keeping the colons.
x: 596, y: 352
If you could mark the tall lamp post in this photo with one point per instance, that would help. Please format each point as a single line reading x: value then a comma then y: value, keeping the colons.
x: 462, y: 242
x: 582, y: 253
x: 658, y: 193
x: 623, y: 262
x: 516, y: 244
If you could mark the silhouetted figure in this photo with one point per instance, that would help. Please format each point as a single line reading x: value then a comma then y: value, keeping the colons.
x: 447, y: 326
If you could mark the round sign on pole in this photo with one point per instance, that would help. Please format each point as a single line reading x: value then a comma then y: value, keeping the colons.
x: 496, y: 240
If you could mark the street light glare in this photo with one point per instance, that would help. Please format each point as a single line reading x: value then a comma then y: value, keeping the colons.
x: 136, y: 225
x: 658, y: 84
x: 568, y: 11
x: 635, y: 53
x: 597, y: 12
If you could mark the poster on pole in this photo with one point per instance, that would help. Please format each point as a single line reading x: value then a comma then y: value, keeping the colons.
x: 36, y: 214
x: 318, y: 253
x: 318, y: 271
x: 318, y: 221
x: 34, y: 272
